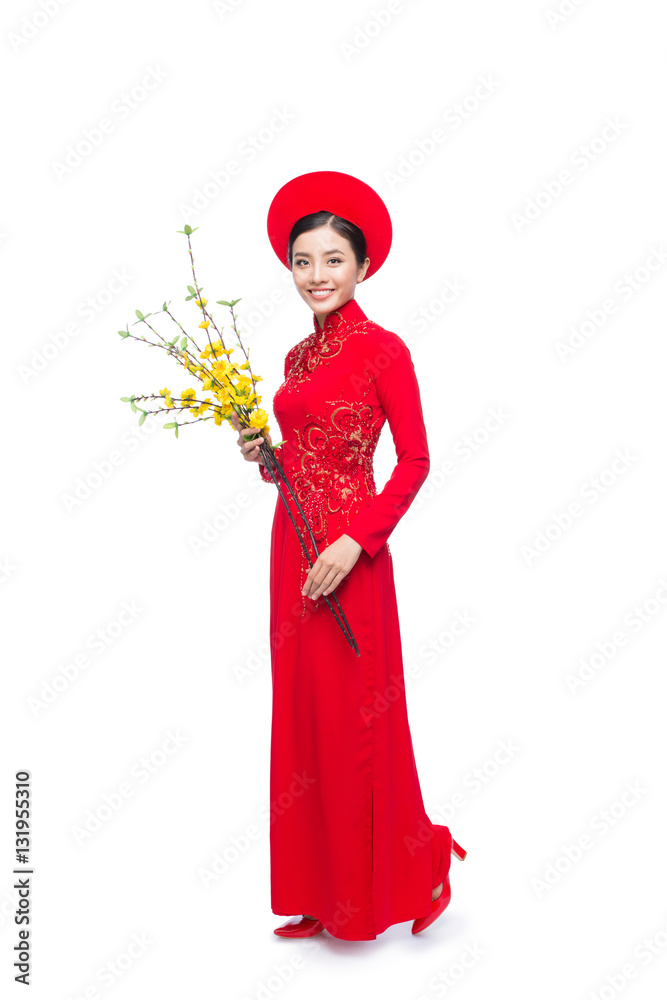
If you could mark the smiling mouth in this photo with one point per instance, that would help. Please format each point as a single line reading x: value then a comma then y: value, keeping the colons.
x: 320, y: 293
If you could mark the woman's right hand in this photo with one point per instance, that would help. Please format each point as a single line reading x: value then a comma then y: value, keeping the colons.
x: 249, y: 446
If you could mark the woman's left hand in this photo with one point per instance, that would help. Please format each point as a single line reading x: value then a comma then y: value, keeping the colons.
x: 331, y: 567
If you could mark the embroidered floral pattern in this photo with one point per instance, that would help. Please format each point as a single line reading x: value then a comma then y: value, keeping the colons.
x: 331, y: 459
x: 335, y: 465
x: 318, y: 348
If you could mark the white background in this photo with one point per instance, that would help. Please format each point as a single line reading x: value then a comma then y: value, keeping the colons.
x: 363, y: 87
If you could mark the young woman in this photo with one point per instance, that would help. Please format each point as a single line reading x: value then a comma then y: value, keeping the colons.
x: 352, y: 850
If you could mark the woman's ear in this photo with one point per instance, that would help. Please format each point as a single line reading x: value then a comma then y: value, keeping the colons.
x: 361, y: 274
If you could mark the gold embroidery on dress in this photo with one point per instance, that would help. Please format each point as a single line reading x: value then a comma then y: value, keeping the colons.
x: 317, y: 348
x: 333, y: 473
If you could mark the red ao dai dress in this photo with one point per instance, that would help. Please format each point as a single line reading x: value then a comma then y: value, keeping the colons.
x: 350, y: 841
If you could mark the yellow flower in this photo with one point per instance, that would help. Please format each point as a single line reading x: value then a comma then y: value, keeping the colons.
x: 186, y: 396
x: 205, y: 323
x: 201, y: 302
x: 165, y: 392
x: 169, y: 402
x: 258, y: 418
x: 221, y: 368
x: 214, y: 349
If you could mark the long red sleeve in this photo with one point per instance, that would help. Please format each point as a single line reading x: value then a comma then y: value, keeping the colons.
x: 398, y: 393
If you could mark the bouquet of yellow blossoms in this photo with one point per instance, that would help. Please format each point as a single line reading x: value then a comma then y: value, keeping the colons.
x: 225, y: 387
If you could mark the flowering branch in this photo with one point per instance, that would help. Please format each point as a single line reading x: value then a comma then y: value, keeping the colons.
x: 231, y: 391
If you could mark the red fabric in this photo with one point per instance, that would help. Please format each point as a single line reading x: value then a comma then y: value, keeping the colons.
x: 336, y: 192
x: 350, y: 841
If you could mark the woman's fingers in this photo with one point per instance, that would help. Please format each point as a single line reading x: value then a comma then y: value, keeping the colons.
x: 321, y: 577
x: 249, y: 439
x: 331, y: 567
x: 250, y: 449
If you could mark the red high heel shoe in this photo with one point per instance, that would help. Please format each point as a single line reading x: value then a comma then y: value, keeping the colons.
x: 440, y: 904
x: 298, y: 927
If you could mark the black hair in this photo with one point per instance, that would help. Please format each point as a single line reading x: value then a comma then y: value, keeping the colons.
x: 341, y: 226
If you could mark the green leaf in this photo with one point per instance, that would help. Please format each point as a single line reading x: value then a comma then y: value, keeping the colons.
x: 133, y: 406
x: 125, y: 399
x: 138, y: 313
x: 172, y: 342
x: 193, y: 291
x: 164, y: 307
x: 123, y: 334
x: 221, y: 302
x: 168, y: 427
x: 176, y: 430
x: 234, y: 301
x: 143, y: 416
x: 184, y: 343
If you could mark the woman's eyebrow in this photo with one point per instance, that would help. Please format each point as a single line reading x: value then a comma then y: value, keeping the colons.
x: 325, y: 253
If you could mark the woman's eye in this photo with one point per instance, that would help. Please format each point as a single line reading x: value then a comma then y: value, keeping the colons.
x: 302, y: 261
x: 336, y: 260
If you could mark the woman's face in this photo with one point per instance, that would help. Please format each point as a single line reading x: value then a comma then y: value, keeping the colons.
x: 325, y: 270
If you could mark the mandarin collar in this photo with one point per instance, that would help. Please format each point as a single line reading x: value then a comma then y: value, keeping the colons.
x: 349, y: 312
